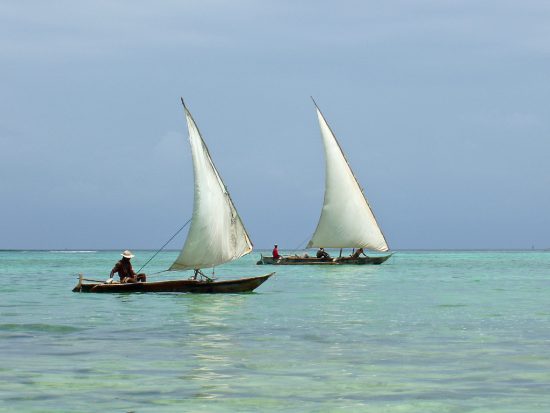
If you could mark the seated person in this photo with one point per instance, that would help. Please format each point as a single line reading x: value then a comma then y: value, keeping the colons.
x: 357, y: 253
x: 322, y: 254
x: 276, y: 255
x: 125, y: 270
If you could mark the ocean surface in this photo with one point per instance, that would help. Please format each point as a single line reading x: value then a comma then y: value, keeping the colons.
x: 424, y: 332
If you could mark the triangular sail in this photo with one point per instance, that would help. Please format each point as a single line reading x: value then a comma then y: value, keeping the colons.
x: 217, y: 234
x: 346, y: 218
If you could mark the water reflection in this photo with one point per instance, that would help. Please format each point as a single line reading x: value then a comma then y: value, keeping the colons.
x: 210, y: 340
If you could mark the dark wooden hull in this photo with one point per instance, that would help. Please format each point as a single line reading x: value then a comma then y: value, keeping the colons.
x: 242, y: 285
x: 323, y: 261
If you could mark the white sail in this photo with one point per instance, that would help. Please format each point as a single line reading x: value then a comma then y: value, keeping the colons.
x: 217, y: 234
x: 346, y: 218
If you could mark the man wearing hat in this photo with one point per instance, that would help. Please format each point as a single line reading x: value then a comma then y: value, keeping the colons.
x: 125, y: 270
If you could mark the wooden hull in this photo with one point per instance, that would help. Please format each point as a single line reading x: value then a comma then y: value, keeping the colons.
x: 322, y: 261
x: 242, y: 285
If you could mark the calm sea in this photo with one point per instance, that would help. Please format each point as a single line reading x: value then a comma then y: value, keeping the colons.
x: 424, y: 332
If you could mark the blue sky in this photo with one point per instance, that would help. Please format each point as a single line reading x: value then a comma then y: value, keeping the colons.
x: 441, y: 107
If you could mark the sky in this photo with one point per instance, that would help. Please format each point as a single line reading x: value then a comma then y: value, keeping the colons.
x: 442, y: 108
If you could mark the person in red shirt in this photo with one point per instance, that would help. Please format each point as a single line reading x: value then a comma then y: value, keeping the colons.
x: 276, y: 252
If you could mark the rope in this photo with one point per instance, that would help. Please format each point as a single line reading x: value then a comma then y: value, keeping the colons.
x: 302, y: 243
x: 157, y: 273
x: 161, y: 248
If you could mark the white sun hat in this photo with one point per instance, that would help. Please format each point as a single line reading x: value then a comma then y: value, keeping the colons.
x: 127, y: 254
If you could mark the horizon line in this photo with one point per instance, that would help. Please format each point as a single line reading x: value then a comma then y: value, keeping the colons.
x: 266, y: 249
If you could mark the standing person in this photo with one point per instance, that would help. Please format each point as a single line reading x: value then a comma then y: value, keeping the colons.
x: 125, y: 270
x: 275, y: 254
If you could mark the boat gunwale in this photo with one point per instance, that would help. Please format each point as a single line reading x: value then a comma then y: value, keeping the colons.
x: 294, y: 260
x: 146, y: 286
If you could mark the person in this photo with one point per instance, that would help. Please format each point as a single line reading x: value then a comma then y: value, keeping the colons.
x: 275, y: 254
x: 357, y: 253
x: 322, y: 254
x: 125, y: 270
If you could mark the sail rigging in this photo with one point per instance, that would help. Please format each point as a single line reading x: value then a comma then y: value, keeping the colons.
x: 347, y: 220
x: 217, y: 234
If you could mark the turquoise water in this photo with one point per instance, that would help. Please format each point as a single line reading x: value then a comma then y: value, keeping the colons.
x: 424, y: 332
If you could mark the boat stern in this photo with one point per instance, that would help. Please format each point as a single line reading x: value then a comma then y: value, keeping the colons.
x: 78, y: 287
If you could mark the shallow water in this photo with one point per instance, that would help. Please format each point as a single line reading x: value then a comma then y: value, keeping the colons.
x: 424, y: 332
